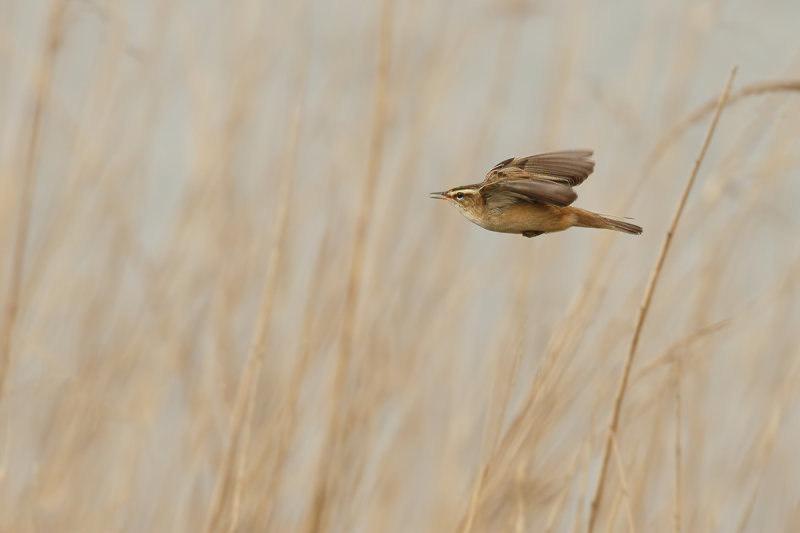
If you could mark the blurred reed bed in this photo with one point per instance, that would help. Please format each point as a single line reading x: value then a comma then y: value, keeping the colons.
x: 229, y: 306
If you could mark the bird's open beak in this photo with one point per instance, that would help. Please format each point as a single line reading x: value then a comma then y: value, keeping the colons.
x: 439, y: 195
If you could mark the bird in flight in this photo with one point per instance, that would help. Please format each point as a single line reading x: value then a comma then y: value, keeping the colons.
x: 532, y: 195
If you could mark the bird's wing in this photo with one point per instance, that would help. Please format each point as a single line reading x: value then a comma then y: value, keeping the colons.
x: 570, y: 167
x: 505, y: 192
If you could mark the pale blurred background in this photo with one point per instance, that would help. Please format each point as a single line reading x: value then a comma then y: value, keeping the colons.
x: 210, y: 190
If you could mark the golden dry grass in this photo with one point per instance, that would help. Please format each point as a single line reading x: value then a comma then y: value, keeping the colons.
x: 229, y: 306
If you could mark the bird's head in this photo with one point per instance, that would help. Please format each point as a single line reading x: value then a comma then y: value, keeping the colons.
x: 466, y: 198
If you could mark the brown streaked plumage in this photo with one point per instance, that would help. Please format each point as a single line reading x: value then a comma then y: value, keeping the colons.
x: 532, y: 195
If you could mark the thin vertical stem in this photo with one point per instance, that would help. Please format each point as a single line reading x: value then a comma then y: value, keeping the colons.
x: 332, y: 439
x: 645, y: 306
x: 676, y: 366
x: 626, y: 493
x: 519, y: 523
x: 246, y: 390
x: 236, y: 496
x: 53, y: 37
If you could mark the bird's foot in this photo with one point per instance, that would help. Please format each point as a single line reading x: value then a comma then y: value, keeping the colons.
x: 530, y: 234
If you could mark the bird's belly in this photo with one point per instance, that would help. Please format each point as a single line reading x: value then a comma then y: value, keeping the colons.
x: 527, y: 217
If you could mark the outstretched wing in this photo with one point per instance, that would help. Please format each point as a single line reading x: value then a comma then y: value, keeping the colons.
x: 569, y: 167
x: 502, y: 193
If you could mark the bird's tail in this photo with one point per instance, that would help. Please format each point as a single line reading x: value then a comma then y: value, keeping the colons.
x: 587, y: 219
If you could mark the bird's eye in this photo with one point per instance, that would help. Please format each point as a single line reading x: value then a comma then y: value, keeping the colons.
x: 460, y: 195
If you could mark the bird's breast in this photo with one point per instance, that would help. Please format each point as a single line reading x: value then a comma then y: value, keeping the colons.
x: 517, y: 218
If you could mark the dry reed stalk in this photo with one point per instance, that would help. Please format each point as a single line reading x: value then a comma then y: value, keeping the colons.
x: 4, y: 454
x: 499, y: 89
x: 584, y: 485
x: 677, y: 130
x: 644, y: 307
x: 42, y: 87
x: 287, y: 417
x: 246, y: 389
x: 573, y: 21
x: 248, y: 376
x: 333, y: 437
x: 491, y: 432
x: 473, y: 501
x: 563, y: 341
x: 676, y: 365
x: 748, y: 90
x: 685, y: 61
x: 555, y: 510
x: 88, y: 158
x: 768, y: 435
x: 519, y: 522
x: 612, y: 516
x: 288, y: 172
x: 647, y: 463
x: 625, y: 491
x: 236, y: 497
x: 435, y: 73
x: 508, y: 446
x: 668, y: 355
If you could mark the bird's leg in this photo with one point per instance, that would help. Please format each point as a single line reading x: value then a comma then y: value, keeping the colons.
x: 530, y: 234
